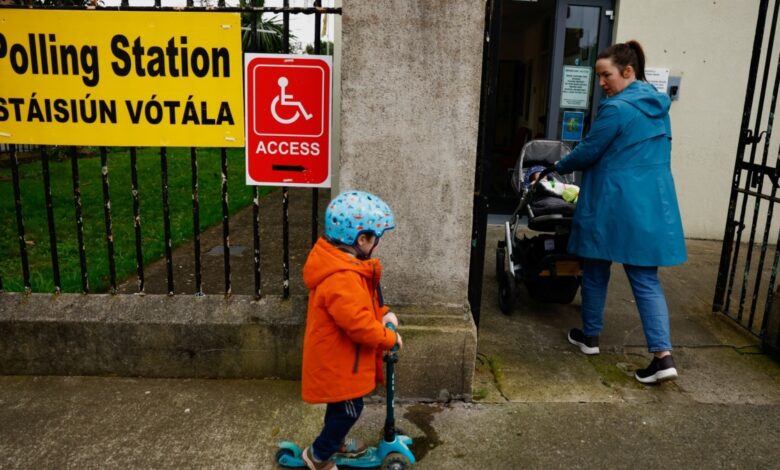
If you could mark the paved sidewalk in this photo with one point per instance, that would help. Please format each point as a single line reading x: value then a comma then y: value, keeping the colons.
x: 538, y: 403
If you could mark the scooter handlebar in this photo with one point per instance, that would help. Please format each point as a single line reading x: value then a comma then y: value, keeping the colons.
x: 392, y: 327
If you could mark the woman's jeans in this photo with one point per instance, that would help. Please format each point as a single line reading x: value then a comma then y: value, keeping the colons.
x: 648, y: 293
x: 339, y: 419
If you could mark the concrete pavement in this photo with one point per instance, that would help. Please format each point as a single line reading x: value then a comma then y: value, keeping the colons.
x: 538, y: 402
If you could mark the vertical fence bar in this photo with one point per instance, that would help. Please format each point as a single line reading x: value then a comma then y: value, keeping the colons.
x: 285, y: 242
x: 758, y: 178
x: 722, y: 292
x: 196, y: 219
x: 20, y: 220
x: 315, y: 193
x: 55, y: 261
x: 74, y: 167
x: 225, y: 220
x: 255, y: 189
x: 166, y: 218
x: 107, y: 214
x: 139, y: 256
x: 256, y: 239
x: 285, y: 191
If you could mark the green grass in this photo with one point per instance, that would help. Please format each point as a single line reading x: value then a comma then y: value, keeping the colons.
x: 496, y: 366
x: 149, y: 182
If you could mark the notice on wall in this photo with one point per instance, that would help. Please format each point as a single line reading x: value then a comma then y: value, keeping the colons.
x: 571, y: 126
x: 658, y: 77
x: 121, y: 78
x: 575, y: 87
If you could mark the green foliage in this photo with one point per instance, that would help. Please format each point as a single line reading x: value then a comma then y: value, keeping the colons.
x: 326, y: 48
x: 149, y: 181
x: 270, y: 31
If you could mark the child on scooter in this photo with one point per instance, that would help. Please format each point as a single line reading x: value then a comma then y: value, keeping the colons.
x: 345, y: 324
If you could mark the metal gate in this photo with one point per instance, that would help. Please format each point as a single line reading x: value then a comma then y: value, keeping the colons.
x: 747, y: 276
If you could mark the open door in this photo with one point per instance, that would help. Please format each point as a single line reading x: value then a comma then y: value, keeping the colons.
x: 487, y: 107
x: 542, y: 59
x: 538, y: 72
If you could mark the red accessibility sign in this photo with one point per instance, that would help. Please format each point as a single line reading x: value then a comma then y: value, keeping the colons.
x: 288, y: 119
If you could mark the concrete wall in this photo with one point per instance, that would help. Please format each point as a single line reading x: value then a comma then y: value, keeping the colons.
x: 411, y: 72
x: 213, y: 337
x: 709, y: 44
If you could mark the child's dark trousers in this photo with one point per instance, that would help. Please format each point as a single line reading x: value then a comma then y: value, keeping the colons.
x: 339, y: 419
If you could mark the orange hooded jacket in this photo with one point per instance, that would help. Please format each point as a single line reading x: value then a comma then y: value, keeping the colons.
x: 344, y: 336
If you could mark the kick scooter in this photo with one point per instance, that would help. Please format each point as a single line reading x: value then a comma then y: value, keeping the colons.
x: 392, y: 453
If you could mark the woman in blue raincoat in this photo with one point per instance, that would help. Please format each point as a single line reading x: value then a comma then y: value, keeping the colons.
x: 627, y: 210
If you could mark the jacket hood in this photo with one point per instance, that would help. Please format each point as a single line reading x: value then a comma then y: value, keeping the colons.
x: 644, y: 97
x: 325, y: 259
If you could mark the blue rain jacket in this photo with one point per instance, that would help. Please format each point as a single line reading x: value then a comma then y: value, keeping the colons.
x: 627, y: 210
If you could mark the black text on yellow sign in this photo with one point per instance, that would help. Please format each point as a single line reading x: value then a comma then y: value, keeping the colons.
x: 121, y: 78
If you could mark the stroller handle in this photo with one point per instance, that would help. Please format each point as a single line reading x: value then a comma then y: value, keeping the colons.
x: 546, y: 172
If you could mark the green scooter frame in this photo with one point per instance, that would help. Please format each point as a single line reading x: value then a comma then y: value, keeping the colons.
x: 393, y: 451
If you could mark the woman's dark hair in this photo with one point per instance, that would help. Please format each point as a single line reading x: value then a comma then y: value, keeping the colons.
x: 625, y: 54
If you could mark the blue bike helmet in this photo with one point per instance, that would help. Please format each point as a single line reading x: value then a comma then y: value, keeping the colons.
x: 354, y: 212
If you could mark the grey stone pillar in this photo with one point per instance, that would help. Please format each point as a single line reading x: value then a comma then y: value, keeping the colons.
x: 411, y: 72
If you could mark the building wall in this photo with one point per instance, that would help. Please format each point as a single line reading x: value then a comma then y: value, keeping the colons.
x: 709, y: 44
x: 410, y: 87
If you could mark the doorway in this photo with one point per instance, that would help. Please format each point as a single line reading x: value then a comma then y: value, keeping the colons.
x: 537, y: 82
x: 545, y: 82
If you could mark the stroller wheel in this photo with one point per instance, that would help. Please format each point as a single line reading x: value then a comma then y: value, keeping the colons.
x: 558, y: 290
x: 500, y: 258
x: 506, y: 292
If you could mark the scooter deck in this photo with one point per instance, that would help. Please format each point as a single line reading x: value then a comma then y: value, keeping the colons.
x: 290, y: 455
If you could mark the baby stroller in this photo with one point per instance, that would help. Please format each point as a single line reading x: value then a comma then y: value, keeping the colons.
x: 540, y: 261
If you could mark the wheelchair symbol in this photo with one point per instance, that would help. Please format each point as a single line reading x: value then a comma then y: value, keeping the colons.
x: 284, y: 99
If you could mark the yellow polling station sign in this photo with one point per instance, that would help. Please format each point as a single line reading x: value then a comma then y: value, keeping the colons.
x: 121, y: 78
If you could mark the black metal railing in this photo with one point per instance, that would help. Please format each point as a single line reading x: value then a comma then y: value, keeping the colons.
x: 6, y: 148
x: 741, y: 282
x: 254, y: 12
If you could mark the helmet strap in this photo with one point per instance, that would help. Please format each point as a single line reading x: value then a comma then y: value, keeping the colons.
x: 363, y: 255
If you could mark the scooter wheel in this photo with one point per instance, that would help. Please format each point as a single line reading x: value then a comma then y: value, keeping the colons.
x: 282, y: 453
x: 396, y: 461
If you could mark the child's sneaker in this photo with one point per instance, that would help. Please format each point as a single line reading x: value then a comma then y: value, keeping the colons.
x: 587, y: 344
x: 314, y: 464
x: 659, y: 370
x: 352, y: 448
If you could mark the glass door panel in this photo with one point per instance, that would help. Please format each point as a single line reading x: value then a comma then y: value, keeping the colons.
x: 583, y: 28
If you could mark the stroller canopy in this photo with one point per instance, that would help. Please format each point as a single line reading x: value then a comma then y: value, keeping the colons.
x: 537, y: 152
